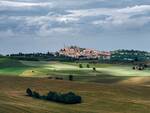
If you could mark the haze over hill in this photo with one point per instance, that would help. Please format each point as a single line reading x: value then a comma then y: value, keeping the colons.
x: 46, y: 25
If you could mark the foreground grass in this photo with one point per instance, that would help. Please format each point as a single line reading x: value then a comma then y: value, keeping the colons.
x: 97, y: 98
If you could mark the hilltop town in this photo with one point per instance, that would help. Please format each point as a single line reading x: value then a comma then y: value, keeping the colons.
x: 77, y: 52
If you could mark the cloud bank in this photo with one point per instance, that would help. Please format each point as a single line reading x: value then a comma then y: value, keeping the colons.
x: 75, y: 22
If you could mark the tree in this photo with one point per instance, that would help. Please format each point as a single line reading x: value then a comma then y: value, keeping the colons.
x: 36, y: 94
x: 71, y: 98
x: 134, y: 68
x: 94, y: 69
x: 29, y: 92
x: 50, y: 95
x: 67, y: 98
x: 145, y: 65
x: 71, y: 77
x: 88, y: 65
x: 80, y: 66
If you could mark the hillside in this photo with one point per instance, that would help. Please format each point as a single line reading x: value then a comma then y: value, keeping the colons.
x: 47, y: 68
x: 112, y: 88
x: 98, y: 98
x: 11, y: 67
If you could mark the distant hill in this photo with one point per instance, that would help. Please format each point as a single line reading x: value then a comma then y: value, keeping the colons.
x: 130, y: 55
x: 8, y: 62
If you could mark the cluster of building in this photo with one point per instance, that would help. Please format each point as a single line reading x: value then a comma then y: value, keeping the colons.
x: 77, y: 52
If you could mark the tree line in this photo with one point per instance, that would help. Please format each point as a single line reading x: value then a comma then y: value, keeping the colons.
x: 87, y: 66
x: 129, y: 55
x: 66, y: 98
x: 49, y: 56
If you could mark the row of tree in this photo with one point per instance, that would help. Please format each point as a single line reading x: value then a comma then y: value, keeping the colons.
x: 129, y: 55
x: 140, y: 67
x: 66, y: 98
x: 49, y: 56
x: 87, y: 66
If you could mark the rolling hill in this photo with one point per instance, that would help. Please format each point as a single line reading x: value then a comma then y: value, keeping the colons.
x: 97, y: 98
x: 110, y: 89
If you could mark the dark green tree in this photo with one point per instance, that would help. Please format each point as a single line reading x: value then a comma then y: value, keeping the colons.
x: 71, y: 77
x: 80, y: 66
x: 50, y: 95
x: 29, y: 92
x: 36, y: 94
x: 94, y: 69
x: 88, y: 65
x: 67, y: 98
x: 71, y: 98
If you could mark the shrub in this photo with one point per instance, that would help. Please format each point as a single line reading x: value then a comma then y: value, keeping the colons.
x: 29, y: 92
x: 71, y: 77
x: 36, y: 94
x: 71, y: 98
x: 67, y: 98
x: 43, y: 97
x: 50, y: 95
x: 145, y: 65
x: 94, y: 69
x: 88, y: 66
x: 134, y: 68
x: 58, y: 78
x: 80, y: 66
x: 141, y: 68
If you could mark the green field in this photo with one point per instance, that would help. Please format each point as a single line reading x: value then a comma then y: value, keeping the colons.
x: 105, y: 73
x: 43, y: 68
x: 112, y: 88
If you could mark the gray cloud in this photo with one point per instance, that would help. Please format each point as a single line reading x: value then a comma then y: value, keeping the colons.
x: 68, y: 19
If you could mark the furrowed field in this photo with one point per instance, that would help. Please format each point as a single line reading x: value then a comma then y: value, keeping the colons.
x: 111, y: 88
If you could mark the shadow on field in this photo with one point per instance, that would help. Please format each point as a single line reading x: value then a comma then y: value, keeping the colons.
x: 105, y: 79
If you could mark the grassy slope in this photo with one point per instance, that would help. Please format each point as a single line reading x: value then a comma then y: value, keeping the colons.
x: 11, y: 67
x: 98, y: 98
x: 36, y: 68
x: 106, y: 73
x: 57, y: 68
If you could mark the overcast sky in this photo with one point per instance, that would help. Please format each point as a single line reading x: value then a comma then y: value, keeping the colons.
x: 48, y: 25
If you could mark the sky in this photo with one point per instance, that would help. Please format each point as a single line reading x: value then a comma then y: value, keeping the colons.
x: 48, y: 25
